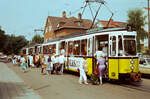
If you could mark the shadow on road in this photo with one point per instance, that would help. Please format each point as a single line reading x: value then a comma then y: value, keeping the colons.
x: 12, y: 90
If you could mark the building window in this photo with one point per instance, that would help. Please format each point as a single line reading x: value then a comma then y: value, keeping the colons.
x: 50, y: 28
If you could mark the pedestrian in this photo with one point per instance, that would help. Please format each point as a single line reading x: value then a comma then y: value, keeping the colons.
x: 14, y: 59
x: 23, y: 64
x: 37, y: 60
x: 18, y: 60
x: 101, y: 66
x: 83, y: 77
x: 31, y: 61
x: 61, y: 63
x: 53, y: 59
x: 49, y: 65
x: 43, y: 63
x: 57, y: 66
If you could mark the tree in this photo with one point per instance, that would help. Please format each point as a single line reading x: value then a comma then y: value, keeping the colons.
x: 2, y: 39
x: 136, y: 18
x: 37, y: 39
x: 14, y: 44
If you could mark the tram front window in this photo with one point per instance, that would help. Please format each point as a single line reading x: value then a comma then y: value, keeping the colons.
x: 130, y: 47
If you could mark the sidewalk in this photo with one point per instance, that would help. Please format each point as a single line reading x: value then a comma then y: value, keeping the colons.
x: 13, y: 87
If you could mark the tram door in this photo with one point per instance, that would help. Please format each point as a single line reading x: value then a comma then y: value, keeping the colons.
x: 113, y: 59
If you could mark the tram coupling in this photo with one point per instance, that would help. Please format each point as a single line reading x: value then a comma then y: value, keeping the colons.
x: 136, y: 77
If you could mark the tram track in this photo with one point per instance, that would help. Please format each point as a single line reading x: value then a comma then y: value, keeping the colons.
x: 136, y: 86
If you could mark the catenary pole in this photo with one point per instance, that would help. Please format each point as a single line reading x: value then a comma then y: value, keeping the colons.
x: 148, y: 27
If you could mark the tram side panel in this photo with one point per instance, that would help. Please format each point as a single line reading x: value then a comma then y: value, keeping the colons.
x: 113, y: 68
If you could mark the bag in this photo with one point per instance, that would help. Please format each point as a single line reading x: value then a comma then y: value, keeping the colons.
x: 78, y: 70
x: 96, y: 71
x: 44, y: 66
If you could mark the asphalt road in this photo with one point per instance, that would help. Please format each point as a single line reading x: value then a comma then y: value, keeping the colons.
x: 66, y: 87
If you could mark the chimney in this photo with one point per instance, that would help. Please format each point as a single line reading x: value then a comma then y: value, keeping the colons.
x: 79, y: 16
x: 64, y: 14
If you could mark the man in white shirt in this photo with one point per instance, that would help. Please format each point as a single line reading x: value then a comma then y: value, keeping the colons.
x: 54, y: 61
x: 83, y: 76
x: 61, y: 62
x: 31, y: 61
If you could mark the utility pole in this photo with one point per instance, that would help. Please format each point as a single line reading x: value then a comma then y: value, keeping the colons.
x: 36, y: 30
x: 148, y: 27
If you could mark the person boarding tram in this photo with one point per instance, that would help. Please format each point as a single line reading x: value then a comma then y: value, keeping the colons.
x: 101, y: 65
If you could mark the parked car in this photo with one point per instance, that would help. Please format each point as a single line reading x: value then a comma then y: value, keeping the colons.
x: 144, y: 65
x: 3, y: 57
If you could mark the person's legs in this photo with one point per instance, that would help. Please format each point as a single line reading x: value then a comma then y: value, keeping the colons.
x: 81, y: 76
x: 101, y: 71
x: 85, y: 78
x: 100, y: 78
x: 62, y: 68
x: 42, y: 70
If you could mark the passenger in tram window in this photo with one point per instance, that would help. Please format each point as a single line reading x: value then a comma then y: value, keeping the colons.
x: 104, y: 49
x: 120, y: 53
x: 83, y: 77
x: 101, y: 65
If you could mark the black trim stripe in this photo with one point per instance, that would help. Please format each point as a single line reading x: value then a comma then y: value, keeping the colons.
x: 122, y: 57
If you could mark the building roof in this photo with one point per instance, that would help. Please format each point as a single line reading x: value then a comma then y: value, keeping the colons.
x: 58, y: 23
x: 112, y: 23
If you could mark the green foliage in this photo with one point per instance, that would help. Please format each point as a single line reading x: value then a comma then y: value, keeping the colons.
x: 11, y: 44
x: 14, y: 44
x: 137, y: 18
x: 37, y: 39
x: 2, y: 39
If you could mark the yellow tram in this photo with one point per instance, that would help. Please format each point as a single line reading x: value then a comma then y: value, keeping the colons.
x: 119, y: 47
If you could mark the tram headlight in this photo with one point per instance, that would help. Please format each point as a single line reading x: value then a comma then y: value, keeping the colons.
x: 132, y: 67
x: 132, y: 61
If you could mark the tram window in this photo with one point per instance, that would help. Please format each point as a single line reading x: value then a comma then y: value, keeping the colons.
x: 76, y: 48
x: 54, y: 48
x: 120, y: 47
x: 90, y: 47
x: 113, y: 53
x: 50, y: 49
x: 130, y: 47
x: 84, y: 47
x: 70, y: 46
x: 62, y: 47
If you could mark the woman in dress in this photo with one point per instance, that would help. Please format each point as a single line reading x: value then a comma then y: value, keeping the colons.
x: 101, y: 65
x: 23, y: 64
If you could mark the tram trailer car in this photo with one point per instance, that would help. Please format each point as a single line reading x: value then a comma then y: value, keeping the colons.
x: 120, y: 51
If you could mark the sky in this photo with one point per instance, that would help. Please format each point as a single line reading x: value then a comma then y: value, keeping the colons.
x: 22, y: 17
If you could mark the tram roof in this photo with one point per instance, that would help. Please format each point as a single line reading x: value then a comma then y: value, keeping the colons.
x: 87, y: 32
